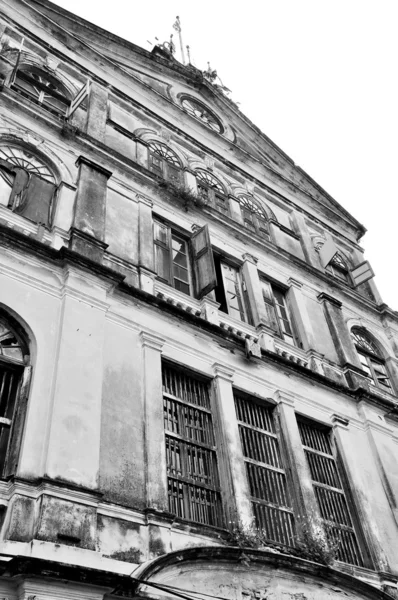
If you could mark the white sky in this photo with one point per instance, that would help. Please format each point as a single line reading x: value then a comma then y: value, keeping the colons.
x: 319, y: 77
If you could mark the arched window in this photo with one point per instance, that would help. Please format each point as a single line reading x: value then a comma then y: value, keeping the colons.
x: 212, y: 191
x: 371, y: 359
x: 338, y: 267
x: 198, y: 110
x: 253, y: 214
x: 42, y: 88
x: 164, y: 162
x: 14, y: 356
x: 27, y: 185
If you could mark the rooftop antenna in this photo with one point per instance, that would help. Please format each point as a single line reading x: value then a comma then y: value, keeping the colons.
x: 177, y: 27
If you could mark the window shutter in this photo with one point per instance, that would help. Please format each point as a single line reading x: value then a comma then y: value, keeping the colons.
x: 327, y: 252
x: 362, y: 273
x: 18, y: 424
x: 36, y: 201
x: 173, y: 174
x: 269, y: 306
x: 203, y: 262
x: 21, y: 182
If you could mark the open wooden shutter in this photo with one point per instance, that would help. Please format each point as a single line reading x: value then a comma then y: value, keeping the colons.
x: 173, y: 173
x: 203, y: 262
x: 269, y: 303
x: 327, y: 252
x: 36, y: 201
x: 20, y: 184
x: 362, y: 273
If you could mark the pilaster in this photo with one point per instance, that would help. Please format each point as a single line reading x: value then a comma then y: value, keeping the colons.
x: 73, y: 446
x: 304, y: 496
x: 155, y: 444
x: 233, y: 477
x: 366, y: 518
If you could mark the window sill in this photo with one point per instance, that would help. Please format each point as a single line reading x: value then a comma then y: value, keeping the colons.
x: 176, y: 298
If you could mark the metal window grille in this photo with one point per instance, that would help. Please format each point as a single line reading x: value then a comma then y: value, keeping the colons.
x: 192, y: 471
x: 329, y: 492
x: 9, y: 385
x: 270, y: 497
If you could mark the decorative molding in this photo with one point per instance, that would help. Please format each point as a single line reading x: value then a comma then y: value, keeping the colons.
x: 152, y: 341
x: 143, y: 200
x: 294, y: 283
x: 82, y: 160
x: 284, y: 397
x: 250, y: 258
x: 323, y: 297
x: 223, y: 371
x: 339, y: 421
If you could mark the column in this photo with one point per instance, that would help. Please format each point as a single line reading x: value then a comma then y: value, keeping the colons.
x: 156, y: 469
x: 97, y: 112
x: 348, y: 449
x: 236, y: 495
x: 88, y: 230
x: 255, y: 295
x: 146, y: 259
x: 305, y: 503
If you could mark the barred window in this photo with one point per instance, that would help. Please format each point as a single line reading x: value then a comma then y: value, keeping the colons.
x: 332, y: 500
x: 270, y: 498
x: 192, y: 471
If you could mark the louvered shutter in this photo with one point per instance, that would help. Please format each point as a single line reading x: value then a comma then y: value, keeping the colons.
x: 203, y: 262
x: 173, y: 173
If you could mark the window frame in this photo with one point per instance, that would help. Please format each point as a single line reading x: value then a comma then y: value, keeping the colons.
x: 274, y: 311
x: 330, y: 456
x: 213, y: 194
x: 258, y: 221
x: 371, y: 358
x: 167, y: 168
x: 24, y: 73
x: 191, y: 419
x: 172, y: 234
x: 273, y: 480
x: 241, y: 295
x: 11, y: 426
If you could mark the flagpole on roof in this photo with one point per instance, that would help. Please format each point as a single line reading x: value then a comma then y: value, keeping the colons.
x: 177, y: 27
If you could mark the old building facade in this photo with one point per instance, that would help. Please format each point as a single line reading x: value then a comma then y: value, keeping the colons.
x: 192, y: 346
